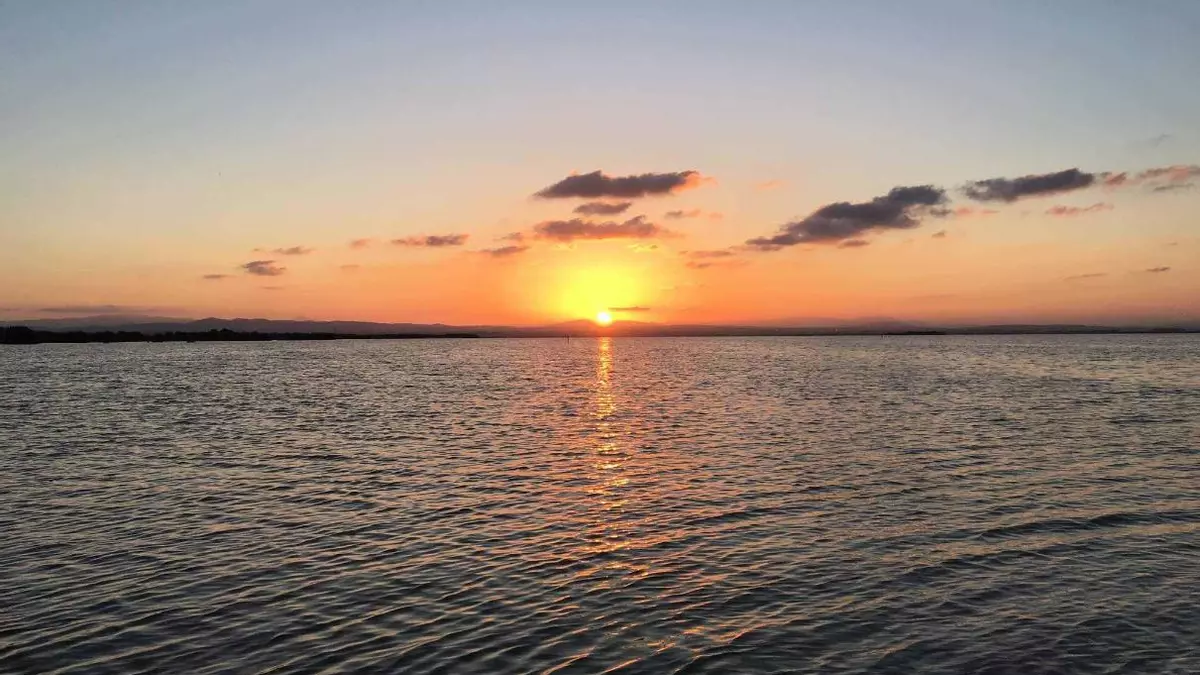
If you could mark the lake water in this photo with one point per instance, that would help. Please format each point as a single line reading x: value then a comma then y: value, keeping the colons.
x: 887, y: 505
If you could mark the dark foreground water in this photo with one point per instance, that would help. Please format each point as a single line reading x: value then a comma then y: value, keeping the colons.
x: 890, y: 505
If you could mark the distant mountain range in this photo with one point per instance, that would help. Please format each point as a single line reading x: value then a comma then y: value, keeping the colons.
x: 872, y: 326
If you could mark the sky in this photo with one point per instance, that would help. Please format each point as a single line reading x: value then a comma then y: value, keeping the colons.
x: 532, y: 161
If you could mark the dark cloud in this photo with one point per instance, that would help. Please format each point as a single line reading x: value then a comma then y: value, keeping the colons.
x: 901, y: 208
x: 941, y: 234
x: 1158, y: 270
x: 505, y: 251
x: 293, y: 250
x: 854, y: 243
x: 263, y: 268
x: 1068, y: 211
x: 602, y: 208
x: 597, y: 185
x: 361, y: 243
x: 433, y: 240
x: 87, y: 310
x: 214, y: 277
x: 1093, y: 275
x: 629, y: 309
x: 578, y: 229
x: 1033, y: 185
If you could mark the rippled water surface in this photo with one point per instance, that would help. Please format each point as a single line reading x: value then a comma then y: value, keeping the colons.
x: 923, y: 504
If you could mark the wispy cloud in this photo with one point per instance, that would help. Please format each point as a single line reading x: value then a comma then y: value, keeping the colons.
x: 940, y: 234
x: 972, y: 212
x: 854, y: 243
x: 1171, y: 187
x: 708, y: 255
x: 1032, y: 185
x: 602, y: 208
x: 273, y: 288
x: 263, y: 268
x: 630, y: 310
x: 768, y: 185
x: 433, y: 240
x: 349, y: 268
x: 214, y: 277
x: 1158, y: 270
x: 1091, y: 275
x: 362, y: 243
x: 578, y: 229
x: 680, y: 214
x: 1068, y: 211
x: 1158, y: 179
x: 290, y: 250
x: 598, y: 185
x: 505, y: 251
x: 901, y: 208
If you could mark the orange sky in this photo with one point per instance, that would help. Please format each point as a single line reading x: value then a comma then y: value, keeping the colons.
x: 221, y: 160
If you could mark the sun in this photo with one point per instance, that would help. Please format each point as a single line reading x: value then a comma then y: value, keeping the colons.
x: 603, y: 318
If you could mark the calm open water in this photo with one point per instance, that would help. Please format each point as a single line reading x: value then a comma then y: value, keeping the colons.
x: 888, y: 505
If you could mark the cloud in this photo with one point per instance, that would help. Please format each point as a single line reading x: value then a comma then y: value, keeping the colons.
x: 1159, y: 139
x: 505, y: 251
x: 361, y: 243
x: 1033, y: 185
x: 1158, y: 270
x: 972, y: 212
x: 1171, y: 187
x: 598, y: 185
x: 87, y: 310
x: 709, y: 264
x: 602, y: 208
x: 940, y: 234
x: 630, y: 310
x: 638, y: 247
x: 433, y: 240
x: 769, y: 185
x: 578, y: 229
x: 901, y: 208
x: 349, y: 268
x: 1092, y: 275
x: 273, y: 288
x: 214, y: 277
x: 263, y: 268
x: 680, y: 214
x: 517, y: 237
x: 1068, y: 211
x: 709, y: 255
x: 292, y: 250
x: 1176, y: 173
x: 854, y: 243
x: 1158, y: 179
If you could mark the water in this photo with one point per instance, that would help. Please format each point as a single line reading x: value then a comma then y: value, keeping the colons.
x: 923, y: 504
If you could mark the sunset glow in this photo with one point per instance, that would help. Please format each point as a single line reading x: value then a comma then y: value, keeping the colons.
x: 332, y: 179
x: 603, y: 318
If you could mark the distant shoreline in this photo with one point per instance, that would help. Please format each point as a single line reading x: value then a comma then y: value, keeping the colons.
x: 21, y: 335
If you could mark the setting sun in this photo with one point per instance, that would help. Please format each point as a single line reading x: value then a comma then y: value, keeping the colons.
x: 603, y: 318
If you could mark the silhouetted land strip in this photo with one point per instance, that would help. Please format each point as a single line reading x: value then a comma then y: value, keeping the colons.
x: 21, y: 335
